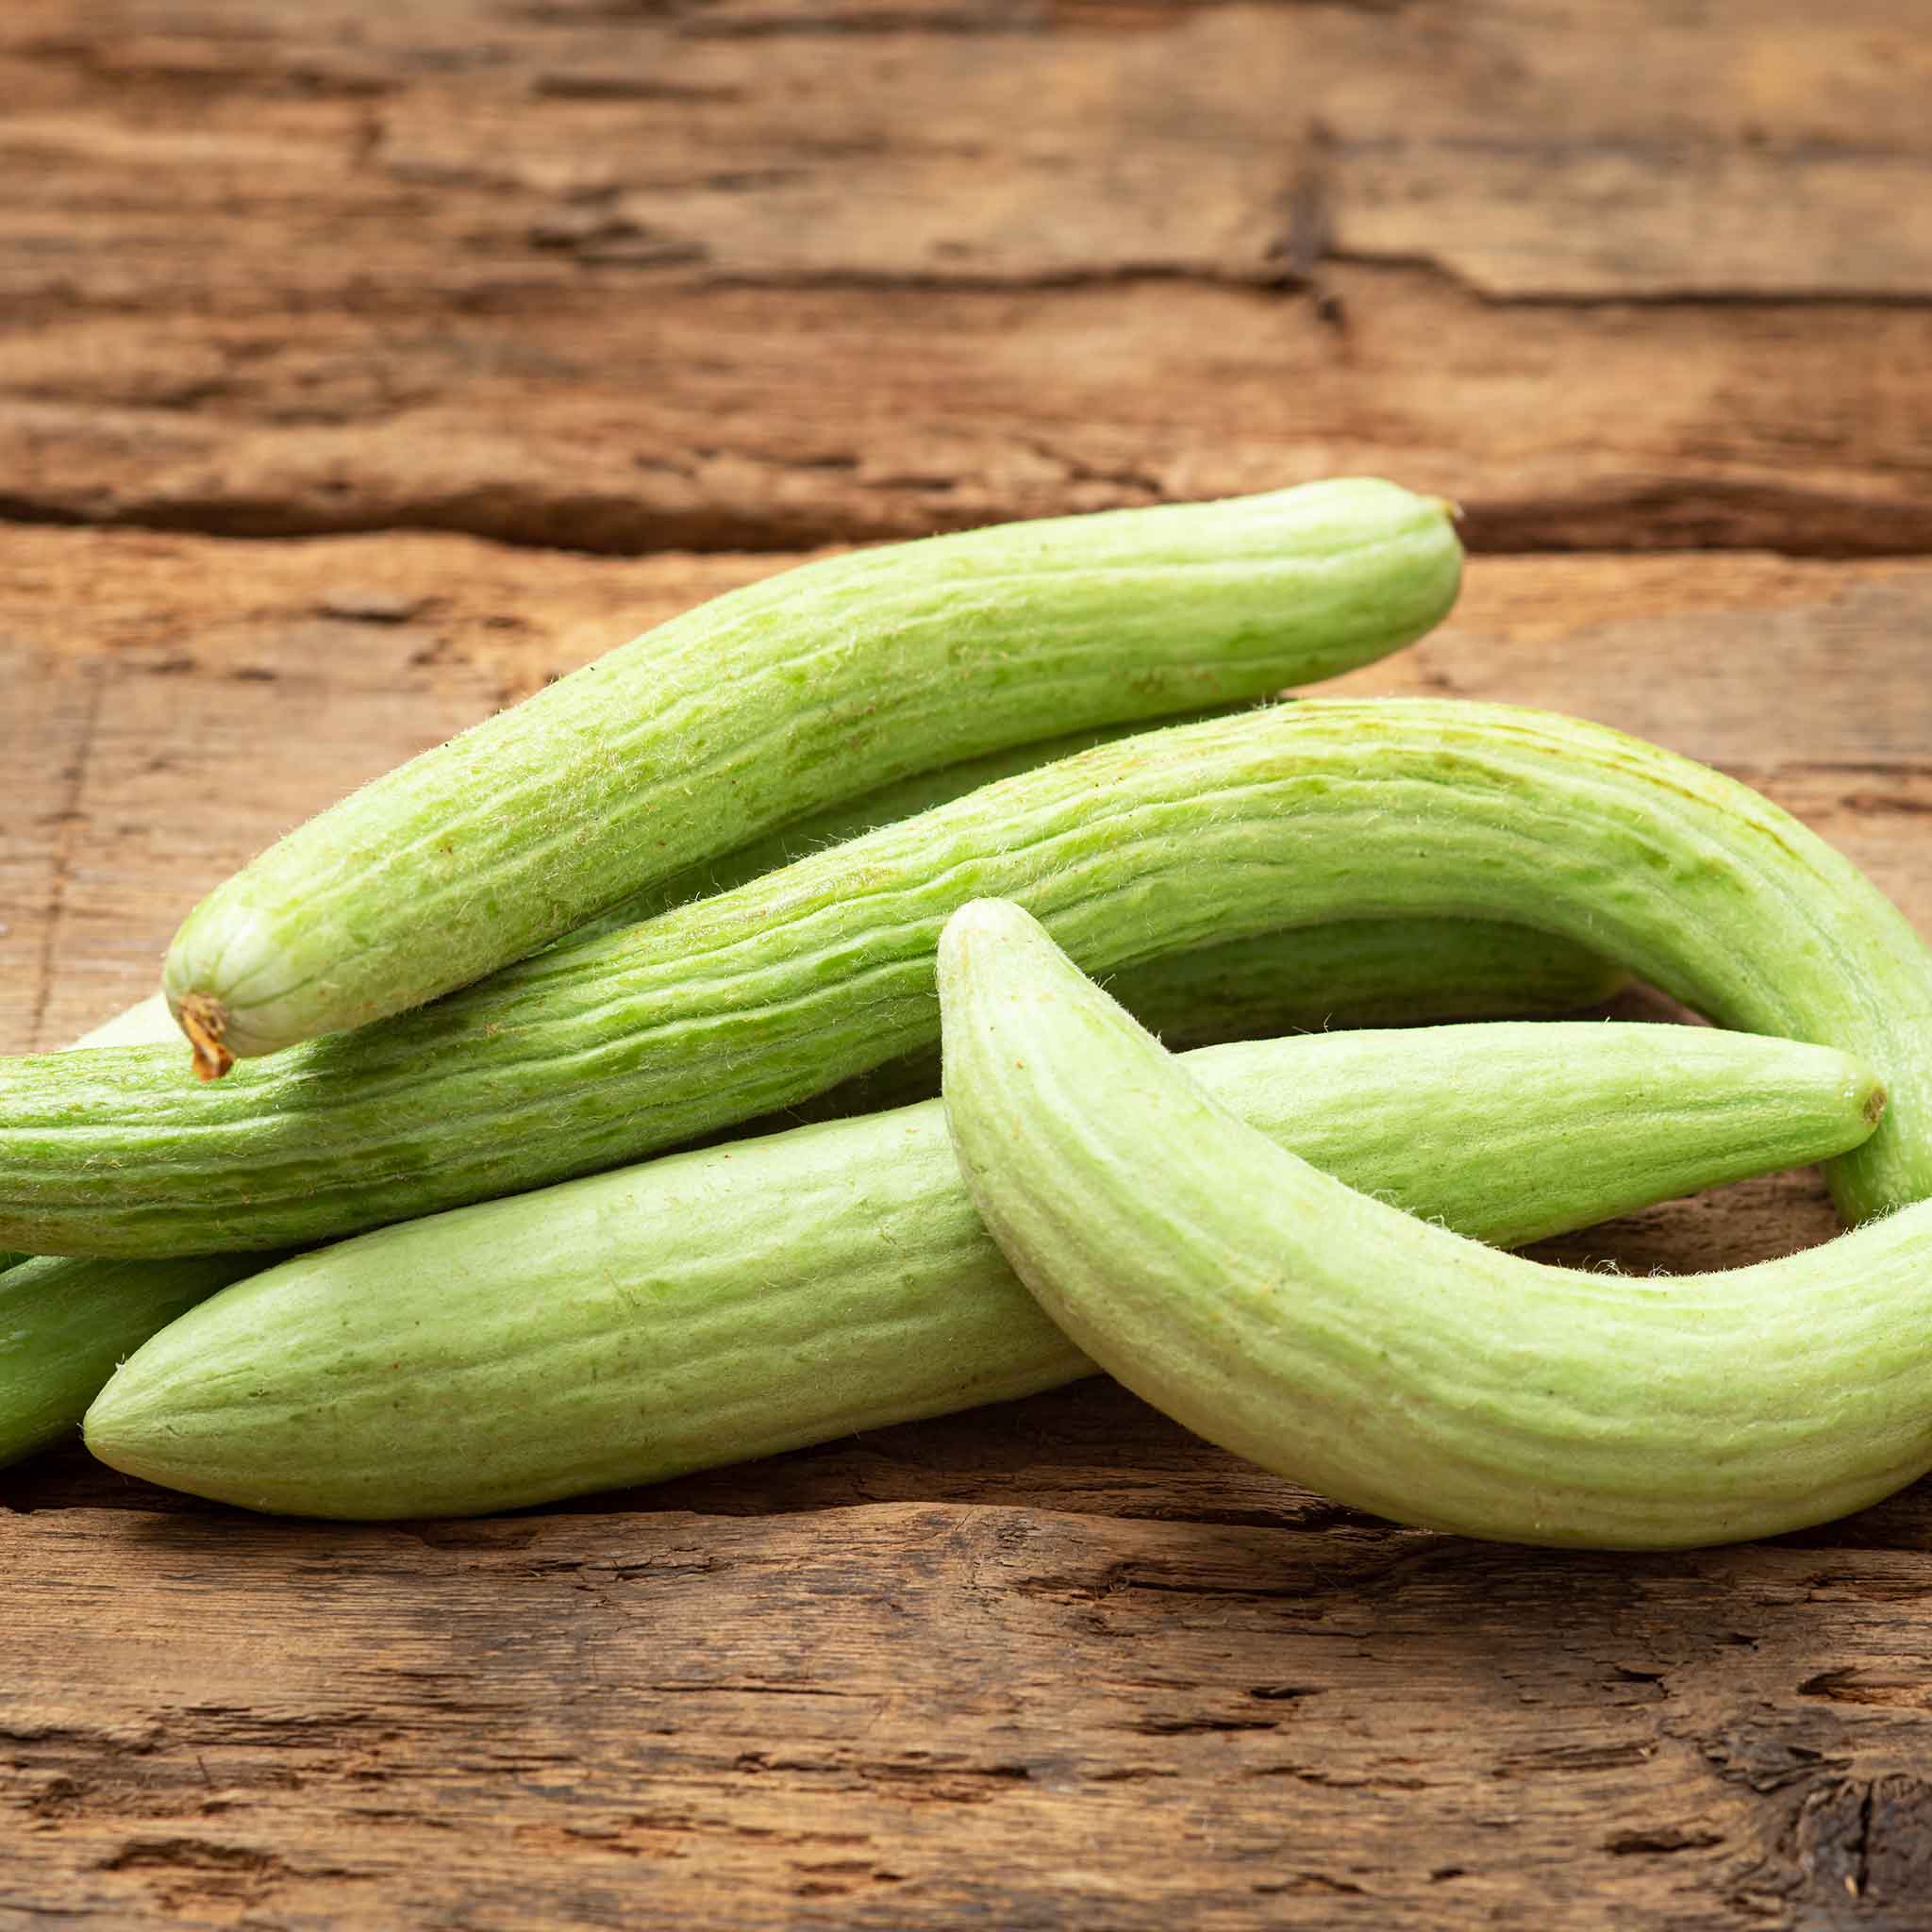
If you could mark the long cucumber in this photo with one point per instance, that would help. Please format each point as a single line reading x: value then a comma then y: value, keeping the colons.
x: 714, y: 1306
x: 598, y: 1052
x: 764, y: 705
x: 147, y: 1023
x: 1392, y: 1364
x: 66, y: 1324
x: 64, y: 1327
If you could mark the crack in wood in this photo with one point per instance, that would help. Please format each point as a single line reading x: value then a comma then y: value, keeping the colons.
x: 1695, y: 515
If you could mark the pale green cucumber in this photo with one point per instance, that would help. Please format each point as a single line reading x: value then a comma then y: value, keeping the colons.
x: 1351, y: 973
x: 1366, y: 971
x: 813, y: 686
x: 66, y: 1324
x: 1385, y: 973
x: 147, y: 1023
x: 1392, y: 1364
x: 600, y: 1052
x: 715, y: 1306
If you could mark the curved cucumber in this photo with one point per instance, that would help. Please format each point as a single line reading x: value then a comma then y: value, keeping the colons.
x: 781, y: 697
x: 726, y: 1304
x: 1394, y: 1365
x: 63, y: 1330
x: 1351, y: 973
x: 1372, y: 972
x: 597, y: 1053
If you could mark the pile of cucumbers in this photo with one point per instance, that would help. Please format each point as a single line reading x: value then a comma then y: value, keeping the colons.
x: 557, y: 1115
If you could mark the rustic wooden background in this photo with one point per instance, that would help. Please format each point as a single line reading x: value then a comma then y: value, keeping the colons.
x: 362, y: 365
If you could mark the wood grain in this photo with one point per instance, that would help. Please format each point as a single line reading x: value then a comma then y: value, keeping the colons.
x: 767, y: 273
x: 934, y: 1714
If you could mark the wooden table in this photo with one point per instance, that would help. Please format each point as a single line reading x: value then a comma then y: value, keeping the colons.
x: 363, y: 366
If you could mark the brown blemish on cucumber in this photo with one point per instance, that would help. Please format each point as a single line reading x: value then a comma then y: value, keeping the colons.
x: 204, y: 1021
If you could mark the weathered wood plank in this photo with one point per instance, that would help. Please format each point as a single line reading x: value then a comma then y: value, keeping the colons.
x: 921, y: 1714
x: 766, y: 277
x: 791, y: 141
x: 609, y: 414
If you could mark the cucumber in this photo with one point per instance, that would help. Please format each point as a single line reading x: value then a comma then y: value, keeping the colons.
x: 713, y: 1305
x: 1353, y: 973
x: 65, y: 1324
x: 147, y: 1023
x: 776, y: 699
x: 1394, y: 1365
x: 605, y: 1050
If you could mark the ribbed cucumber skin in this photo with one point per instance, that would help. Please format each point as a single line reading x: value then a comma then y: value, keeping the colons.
x: 714, y: 1306
x: 149, y: 1023
x: 598, y: 1052
x: 1351, y: 973
x: 1361, y: 973
x: 765, y: 703
x: 1354, y: 973
x: 66, y: 1324
x: 1392, y: 1364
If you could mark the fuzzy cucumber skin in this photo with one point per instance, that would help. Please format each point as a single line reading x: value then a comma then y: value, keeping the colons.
x: 600, y: 1052
x: 1350, y: 973
x: 147, y: 1023
x: 1392, y: 1364
x: 810, y: 687
x: 716, y: 1305
x: 66, y: 1324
